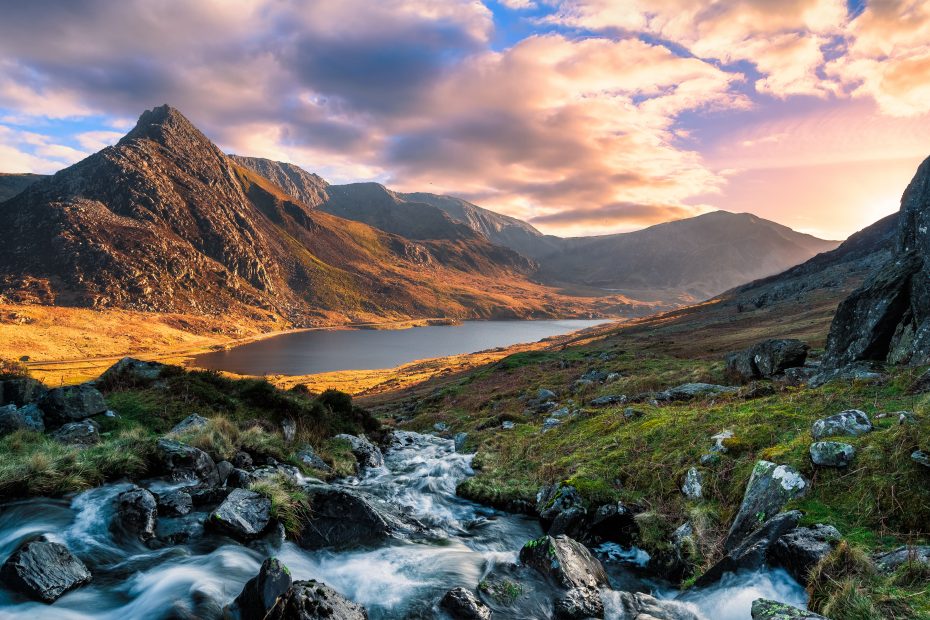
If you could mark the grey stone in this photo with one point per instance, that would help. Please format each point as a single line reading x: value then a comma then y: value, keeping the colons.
x: 72, y: 403
x: 44, y: 571
x: 641, y: 606
x: 767, y: 359
x: 831, y: 453
x: 462, y: 604
x: 83, y: 433
x: 610, y: 399
x: 770, y: 487
x: 921, y: 458
x: 851, y: 422
x: 892, y: 560
x: 764, y: 609
x: 550, y: 423
x: 314, y: 600
x: 566, y: 562
x: 243, y: 515
x: 20, y: 391
x: 752, y: 551
x: 366, y: 453
x: 130, y: 372
x: 29, y: 418
x: 175, y: 503
x: 440, y: 427
x: 239, y: 479
x: 193, y: 422
x: 136, y: 514
x: 801, y: 549
x: 692, y: 485
x: 542, y: 394
x: 579, y: 604
x: 261, y: 592
x: 507, y: 425
x: 182, y: 462
x: 459, y: 441
x: 311, y: 459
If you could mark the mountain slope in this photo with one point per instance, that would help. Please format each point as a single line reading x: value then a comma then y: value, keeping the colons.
x: 12, y: 184
x: 164, y: 221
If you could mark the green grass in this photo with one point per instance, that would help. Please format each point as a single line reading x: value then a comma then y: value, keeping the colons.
x: 290, y: 505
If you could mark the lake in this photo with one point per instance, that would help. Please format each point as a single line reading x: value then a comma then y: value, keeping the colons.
x: 311, y: 352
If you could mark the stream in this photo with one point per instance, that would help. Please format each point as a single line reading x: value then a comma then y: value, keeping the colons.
x: 403, y: 580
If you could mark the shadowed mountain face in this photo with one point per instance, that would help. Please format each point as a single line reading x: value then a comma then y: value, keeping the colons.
x: 12, y: 184
x: 164, y: 221
x: 694, y: 259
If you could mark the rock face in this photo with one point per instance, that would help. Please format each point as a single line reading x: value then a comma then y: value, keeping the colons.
x: 366, y: 453
x: 261, y: 592
x: 801, y: 549
x: 311, y: 459
x: 831, y: 453
x: 136, y: 514
x: 770, y: 487
x: 462, y: 604
x: 243, y: 515
x: 28, y: 418
x: 852, y: 423
x: 767, y: 359
x: 175, y: 503
x: 763, y: 609
x: 72, y: 404
x: 888, y: 317
x: 183, y: 462
x: 692, y: 485
x: 314, y: 600
x: 44, y: 570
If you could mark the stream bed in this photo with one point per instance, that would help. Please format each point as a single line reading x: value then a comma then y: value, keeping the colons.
x: 402, y: 580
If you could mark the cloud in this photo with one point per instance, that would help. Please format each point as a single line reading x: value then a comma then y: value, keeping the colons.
x: 28, y: 151
x: 616, y: 215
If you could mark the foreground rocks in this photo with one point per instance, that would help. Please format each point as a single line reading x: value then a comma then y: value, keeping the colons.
x: 136, y: 514
x: 832, y: 453
x: 751, y: 553
x: 801, y: 549
x: 462, y: 604
x: 243, y: 515
x: 261, y: 592
x: 71, y: 404
x: 342, y: 519
x: 763, y: 609
x: 770, y: 487
x: 44, y: 570
x: 767, y: 359
x: 851, y: 423
x: 28, y: 418
x: 182, y: 462
x: 569, y: 565
x: 314, y: 600
x: 640, y: 606
x: 366, y: 453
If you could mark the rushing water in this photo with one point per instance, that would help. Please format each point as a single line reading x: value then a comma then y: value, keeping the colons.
x: 403, y: 579
x: 309, y: 352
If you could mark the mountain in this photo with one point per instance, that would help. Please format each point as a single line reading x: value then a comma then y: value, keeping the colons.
x: 12, y: 184
x: 165, y: 221
x: 306, y: 187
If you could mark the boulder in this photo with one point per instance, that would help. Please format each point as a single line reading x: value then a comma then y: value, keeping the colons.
x: 312, y: 460
x: 690, y: 391
x: 764, y: 609
x: 579, y: 604
x: 595, y: 376
x: 239, y: 479
x: 241, y: 460
x: 136, y: 514
x: 831, y: 453
x: 751, y: 553
x: 508, y: 425
x: 801, y: 549
x: 610, y: 399
x: 174, y: 503
x: 862, y: 372
x: 43, y: 570
x: 677, y: 562
x: 193, y: 422
x: 890, y: 561
x: 243, y: 515
x: 223, y: 469
x: 551, y: 423
x: 314, y: 600
x: 366, y: 453
x: 130, y: 372
x: 207, y: 494
x: 770, y: 487
x: 72, y: 403
x: 180, y: 530
x: 440, y: 427
x: 343, y: 518
x: 566, y: 562
x: 692, y: 486
x: 767, y: 359
x: 182, y: 462
x: 571, y: 522
x: 462, y: 604
x: 28, y: 418
x: 630, y: 413
x: 261, y: 592
x: 614, y: 523
x: 20, y: 391
x: 851, y: 422
x: 554, y: 499
x: 641, y: 606
x: 83, y: 433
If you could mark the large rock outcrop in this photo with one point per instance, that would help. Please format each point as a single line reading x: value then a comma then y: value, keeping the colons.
x: 888, y: 317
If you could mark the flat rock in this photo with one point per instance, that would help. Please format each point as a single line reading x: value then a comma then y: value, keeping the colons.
x: 175, y: 503
x: 831, y: 453
x: 190, y: 423
x: 890, y: 561
x: 690, y: 391
x: 610, y: 399
x: 770, y: 487
x: 44, y: 570
x: 852, y: 422
x: 314, y: 600
x: 244, y: 515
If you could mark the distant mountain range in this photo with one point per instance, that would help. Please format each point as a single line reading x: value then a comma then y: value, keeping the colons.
x: 164, y: 221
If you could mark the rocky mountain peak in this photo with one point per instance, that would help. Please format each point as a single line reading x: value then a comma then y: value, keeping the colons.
x: 169, y: 128
x: 915, y: 213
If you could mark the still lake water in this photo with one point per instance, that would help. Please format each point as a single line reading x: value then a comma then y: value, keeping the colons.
x: 311, y: 352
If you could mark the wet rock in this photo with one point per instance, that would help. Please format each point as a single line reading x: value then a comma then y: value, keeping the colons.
x: 28, y: 418
x: 440, y: 427
x: 462, y: 604
x: 193, y: 422
x: 692, y: 485
x: 459, y: 441
x: 366, y: 453
x: 614, y: 523
x: 241, y: 460
x: 180, y: 530
x: 130, y: 372
x: 288, y: 430
x: 831, y: 453
x: 267, y: 472
x: 641, y: 606
x: 710, y: 459
x: 314, y: 600
x: 136, y: 514
x: 892, y: 560
x: 579, y: 604
x: 751, y: 553
x: 21, y: 391
x: 223, y: 469
x: 182, y: 462
x: 921, y: 458
x: 72, y: 403
x: 767, y: 359
x: 244, y: 515
x: 610, y: 399
x: 679, y: 561
x: 851, y: 422
x: 770, y: 487
x: 572, y: 522
x: 207, y: 494
x: 554, y: 499
x: 343, y: 519
x: 239, y: 479
x: 690, y: 391
x: 83, y: 433
x: 43, y: 570
x: 311, y: 459
x: 261, y: 592
x: 763, y: 609
x: 801, y: 549
x: 566, y: 562
x: 175, y: 503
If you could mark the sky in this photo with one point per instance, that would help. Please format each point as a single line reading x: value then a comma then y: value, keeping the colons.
x: 579, y: 116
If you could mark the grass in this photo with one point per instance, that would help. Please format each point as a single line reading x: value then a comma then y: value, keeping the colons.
x: 290, y: 505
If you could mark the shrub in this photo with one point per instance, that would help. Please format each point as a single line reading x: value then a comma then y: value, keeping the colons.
x: 13, y: 369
